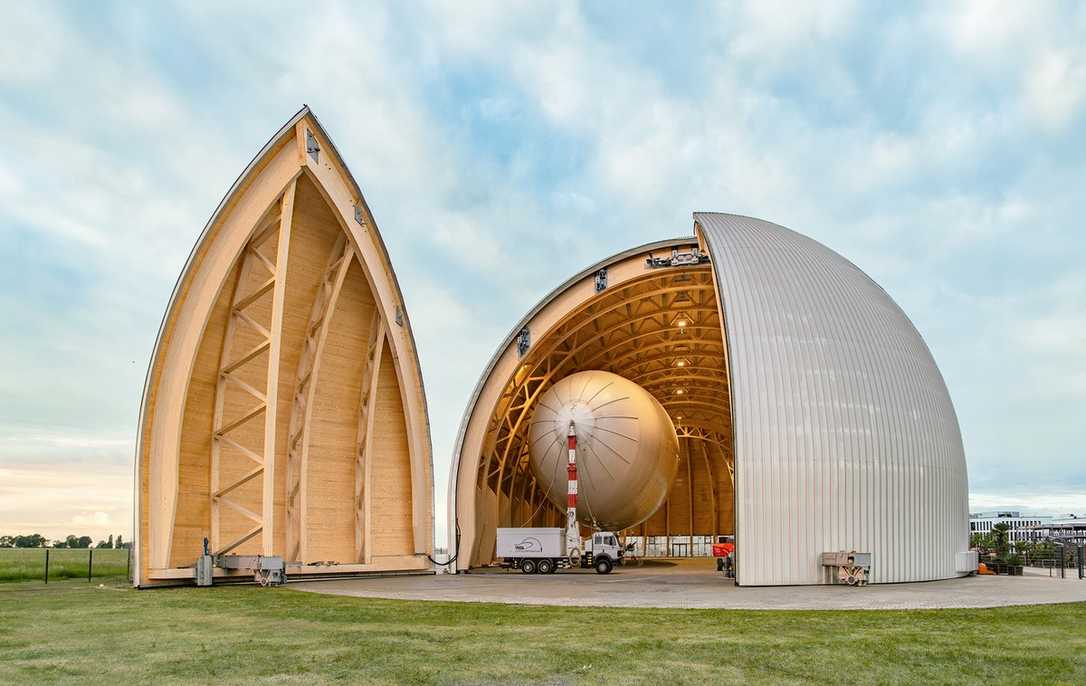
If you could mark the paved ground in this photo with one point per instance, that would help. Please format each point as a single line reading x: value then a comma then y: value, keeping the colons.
x: 696, y: 584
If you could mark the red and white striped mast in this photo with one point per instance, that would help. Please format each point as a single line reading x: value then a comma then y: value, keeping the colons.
x: 573, y: 530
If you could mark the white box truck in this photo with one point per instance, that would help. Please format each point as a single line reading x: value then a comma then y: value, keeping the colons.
x: 542, y: 550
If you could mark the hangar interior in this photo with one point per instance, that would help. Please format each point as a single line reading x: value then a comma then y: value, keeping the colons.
x: 662, y: 329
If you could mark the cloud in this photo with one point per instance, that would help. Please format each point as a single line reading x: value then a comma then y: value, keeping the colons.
x: 61, y: 498
x: 96, y: 519
x: 1056, y: 88
x: 1052, y: 504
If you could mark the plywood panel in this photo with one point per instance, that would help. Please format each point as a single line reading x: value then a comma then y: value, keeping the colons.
x: 390, y: 469
x: 725, y: 489
x: 334, y: 430
x: 704, y: 490
x: 313, y: 238
x: 679, y: 497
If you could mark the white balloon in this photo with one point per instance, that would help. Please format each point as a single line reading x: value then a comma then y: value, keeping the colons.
x: 627, y: 450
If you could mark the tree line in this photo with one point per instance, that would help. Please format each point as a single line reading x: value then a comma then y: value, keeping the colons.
x: 71, y: 541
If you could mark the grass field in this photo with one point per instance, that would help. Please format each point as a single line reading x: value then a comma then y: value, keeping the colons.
x: 26, y: 564
x: 74, y: 632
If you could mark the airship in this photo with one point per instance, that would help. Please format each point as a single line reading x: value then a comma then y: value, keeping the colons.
x: 627, y: 450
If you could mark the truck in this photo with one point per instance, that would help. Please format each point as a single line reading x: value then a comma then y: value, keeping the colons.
x: 542, y: 550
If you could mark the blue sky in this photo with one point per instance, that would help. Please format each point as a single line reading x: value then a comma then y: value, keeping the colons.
x: 502, y: 147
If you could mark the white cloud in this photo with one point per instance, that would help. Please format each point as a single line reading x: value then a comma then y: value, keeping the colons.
x: 1036, y: 47
x: 1054, y: 504
x: 1056, y: 88
x: 58, y: 498
x: 778, y: 30
x: 96, y: 519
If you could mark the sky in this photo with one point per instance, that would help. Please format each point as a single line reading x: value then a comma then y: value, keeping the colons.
x: 504, y: 146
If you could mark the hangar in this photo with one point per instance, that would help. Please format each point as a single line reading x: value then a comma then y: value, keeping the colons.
x: 810, y: 414
x: 283, y: 412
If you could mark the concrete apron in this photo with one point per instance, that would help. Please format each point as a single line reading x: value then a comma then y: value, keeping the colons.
x: 696, y: 584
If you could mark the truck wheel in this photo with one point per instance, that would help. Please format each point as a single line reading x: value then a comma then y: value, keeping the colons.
x: 545, y: 566
x: 603, y: 566
x: 528, y: 566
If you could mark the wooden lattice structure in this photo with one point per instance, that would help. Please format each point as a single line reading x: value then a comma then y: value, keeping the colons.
x: 284, y: 411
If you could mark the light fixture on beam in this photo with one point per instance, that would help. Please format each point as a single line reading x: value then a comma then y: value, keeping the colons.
x: 682, y: 321
x: 680, y: 362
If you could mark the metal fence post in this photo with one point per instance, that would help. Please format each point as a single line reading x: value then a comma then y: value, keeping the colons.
x: 46, y: 565
x: 90, y: 563
x: 1080, y: 560
x: 128, y: 565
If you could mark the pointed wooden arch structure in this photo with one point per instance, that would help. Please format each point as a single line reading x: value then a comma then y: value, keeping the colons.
x: 283, y: 411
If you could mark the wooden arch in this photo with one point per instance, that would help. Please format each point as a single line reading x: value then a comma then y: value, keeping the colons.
x: 283, y: 412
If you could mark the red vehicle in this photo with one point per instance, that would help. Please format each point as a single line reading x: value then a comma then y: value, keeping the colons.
x: 724, y: 552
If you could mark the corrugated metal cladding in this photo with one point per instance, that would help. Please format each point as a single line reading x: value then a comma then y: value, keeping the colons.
x: 845, y: 436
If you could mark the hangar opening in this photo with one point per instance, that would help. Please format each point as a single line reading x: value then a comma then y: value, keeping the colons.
x: 660, y: 329
x: 809, y: 415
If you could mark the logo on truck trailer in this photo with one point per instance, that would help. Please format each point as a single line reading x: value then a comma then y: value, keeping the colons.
x: 529, y: 545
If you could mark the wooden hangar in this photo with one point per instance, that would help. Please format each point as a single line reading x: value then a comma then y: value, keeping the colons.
x: 283, y: 412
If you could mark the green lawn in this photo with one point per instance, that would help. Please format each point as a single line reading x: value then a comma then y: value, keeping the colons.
x: 25, y: 564
x: 74, y: 632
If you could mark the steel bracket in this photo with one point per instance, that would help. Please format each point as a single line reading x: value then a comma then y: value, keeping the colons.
x: 685, y: 258
x: 601, y: 279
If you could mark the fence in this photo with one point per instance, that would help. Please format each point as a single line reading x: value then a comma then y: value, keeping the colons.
x: 1062, y: 559
x: 50, y: 564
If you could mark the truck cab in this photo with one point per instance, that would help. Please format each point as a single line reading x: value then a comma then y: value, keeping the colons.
x: 602, y: 551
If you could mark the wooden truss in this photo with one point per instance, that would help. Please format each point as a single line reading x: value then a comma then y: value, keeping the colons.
x: 664, y: 332
x: 269, y: 276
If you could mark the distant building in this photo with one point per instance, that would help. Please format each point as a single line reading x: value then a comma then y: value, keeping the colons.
x: 1069, y: 528
x: 1022, y: 528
